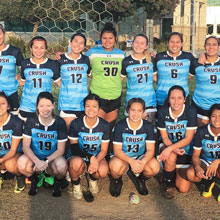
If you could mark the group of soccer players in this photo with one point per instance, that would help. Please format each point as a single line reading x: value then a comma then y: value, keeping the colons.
x: 87, y: 117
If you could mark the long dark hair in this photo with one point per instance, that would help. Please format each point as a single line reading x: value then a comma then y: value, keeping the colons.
x: 213, y: 108
x: 166, y: 102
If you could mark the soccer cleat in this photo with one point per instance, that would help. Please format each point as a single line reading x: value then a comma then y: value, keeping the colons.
x: 218, y: 198
x: 115, y: 186
x: 20, y: 184
x: 208, y: 190
x: 56, y: 188
x: 33, y: 190
x: 77, y: 191
x: 138, y: 183
x: 168, y: 193
x: 93, y: 186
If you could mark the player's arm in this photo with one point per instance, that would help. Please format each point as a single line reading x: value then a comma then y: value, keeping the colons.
x: 14, y: 146
x: 150, y: 150
x: 197, y: 163
x: 104, y: 149
x: 213, y: 167
x: 180, y: 144
x: 59, y: 152
x: 136, y: 165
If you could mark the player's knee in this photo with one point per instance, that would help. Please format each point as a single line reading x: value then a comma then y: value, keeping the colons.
x: 11, y: 166
x: 190, y: 173
x: 183, y: 188
x: 22, y: 164
x: 76, y: 164
x: 103, y: 172
x: 61, y: 166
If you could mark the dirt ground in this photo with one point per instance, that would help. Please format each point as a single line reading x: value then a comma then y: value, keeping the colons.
x: 190, y: 206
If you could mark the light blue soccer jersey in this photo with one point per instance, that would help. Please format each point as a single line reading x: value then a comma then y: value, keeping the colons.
x: 207, y: 91
x: 11, y: 129
x: 44, y: 139
x: 139, y: 80
x: 89, y: 139
x: 133, y: 141
x: 73, y: 88
x: 38, y: 78
x: 172, y: 72
x: 10, y: 58
x: 176, y: 128
x: 208, y: 143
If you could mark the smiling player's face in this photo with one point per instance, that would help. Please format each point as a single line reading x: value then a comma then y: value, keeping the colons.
x: 38, y: 49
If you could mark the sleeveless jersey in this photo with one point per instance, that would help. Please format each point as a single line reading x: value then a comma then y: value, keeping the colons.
x: 89, y: 140
x: 207, y: 91
x: 12, y: 128
x: 10, y: 58
x: 44, y: 139
x: 38, y: 78
x: 106, y: 72
x: 206, y: 141
x: 172, y: 71
x: 139, y: 80
x: 73, y: 88
x: 133, y: 141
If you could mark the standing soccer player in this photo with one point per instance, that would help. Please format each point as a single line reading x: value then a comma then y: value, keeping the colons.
x: 74, y: 68
x: 37, y: 74
x: 207, y: 88
x: 10, y: 58
x: 140, y: 74
x: 106, y: 63
x: 173, y: 67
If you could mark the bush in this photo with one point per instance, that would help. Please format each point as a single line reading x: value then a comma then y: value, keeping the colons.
x: 18, y: 42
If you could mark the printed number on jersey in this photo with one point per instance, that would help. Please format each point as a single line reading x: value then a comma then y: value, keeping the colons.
x: 142, y: 78
x: 5, y: 145
x: 111, y: 71
x: 213, y: 79
x: 88, y: 147
x: 47, y: 145
x: 215, y: 154
x: 133, y: 148
x: 174, y: 73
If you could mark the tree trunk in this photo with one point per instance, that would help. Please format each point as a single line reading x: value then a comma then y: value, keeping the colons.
x: 35, y: 28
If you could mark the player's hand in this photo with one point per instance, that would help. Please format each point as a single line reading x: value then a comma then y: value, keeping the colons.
x: 212, y: 169
x: 202, y: 58
x: 200, y: 172
x: 94, y: 164
x: 179, y: 151
x: 165, y: 154
x: 137, y: 166
x: 58, y: 55
x: 41, y: 165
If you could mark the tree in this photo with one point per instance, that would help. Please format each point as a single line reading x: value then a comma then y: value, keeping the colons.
x: 157, y: 8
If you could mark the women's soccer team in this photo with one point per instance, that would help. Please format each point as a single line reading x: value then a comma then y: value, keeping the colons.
x: 85, y: 136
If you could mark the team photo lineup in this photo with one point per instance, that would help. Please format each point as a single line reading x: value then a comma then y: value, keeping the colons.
x: 162, y: 128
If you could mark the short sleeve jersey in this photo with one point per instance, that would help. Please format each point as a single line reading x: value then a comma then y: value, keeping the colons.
x: 73, y: 88
x: 207, y: 91
x: 106, y: 72
x: 89, y: 139
x: 38, y: 78
x: 10, y: 58
x: 176, y: 128
x: 172, y: 71
x: 133, y: 141
x: 139, y: 80
x: 206, y: 141
x: 12, y: 128
x: 44, y: 139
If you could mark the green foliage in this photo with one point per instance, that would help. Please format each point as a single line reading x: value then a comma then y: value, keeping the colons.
x: 157, y: 8
x: 17, y: 42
